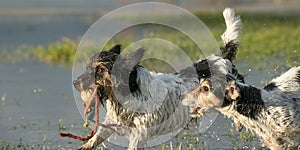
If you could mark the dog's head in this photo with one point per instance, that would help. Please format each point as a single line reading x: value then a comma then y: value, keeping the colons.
x: 233, y: 90
x: 104, y: 71
x: 214, y: 73
x: 97, y: 73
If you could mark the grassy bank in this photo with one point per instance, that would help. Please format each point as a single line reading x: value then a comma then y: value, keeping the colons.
x: 61, y: 52
x: 264, y: 38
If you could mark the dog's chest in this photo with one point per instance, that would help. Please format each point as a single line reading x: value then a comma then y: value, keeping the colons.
x: 258, y: 125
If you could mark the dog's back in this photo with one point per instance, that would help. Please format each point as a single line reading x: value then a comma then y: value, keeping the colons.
x: 282, y: 106
x: 287, y: 82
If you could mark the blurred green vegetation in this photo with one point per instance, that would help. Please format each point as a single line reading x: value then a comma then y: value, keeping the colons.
x: 264, y: 38
x: 61, y: 52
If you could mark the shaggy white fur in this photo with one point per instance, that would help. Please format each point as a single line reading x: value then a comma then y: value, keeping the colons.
x: 286, y: 82
x: 233, y: 26
x: 278, y: 122
x: 272, y: 113
x: 155, y: 110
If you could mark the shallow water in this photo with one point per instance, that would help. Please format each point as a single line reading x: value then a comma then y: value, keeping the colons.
x: 33, y: 98
x: 38, y: 29
x: 37, y: 100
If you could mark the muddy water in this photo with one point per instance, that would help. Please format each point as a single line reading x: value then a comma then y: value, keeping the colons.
x: 37, y: 102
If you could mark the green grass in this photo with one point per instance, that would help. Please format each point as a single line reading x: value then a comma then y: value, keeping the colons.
x: 61, y: 52
x: 264, y: 38
x: 276, y: 37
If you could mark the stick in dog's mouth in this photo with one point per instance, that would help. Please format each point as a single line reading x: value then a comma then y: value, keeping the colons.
x: 86, y: 106
x: 89, y: 99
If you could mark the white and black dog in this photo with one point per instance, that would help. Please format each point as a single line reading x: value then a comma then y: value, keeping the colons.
x: 148, y: 103
x: 272, y: 112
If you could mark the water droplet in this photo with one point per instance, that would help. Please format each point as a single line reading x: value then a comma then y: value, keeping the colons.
x: 3, y: 98
x: 38, y: 90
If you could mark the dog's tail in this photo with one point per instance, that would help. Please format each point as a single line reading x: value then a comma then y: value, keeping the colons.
x: 287, y: 82
x: 231, y: 37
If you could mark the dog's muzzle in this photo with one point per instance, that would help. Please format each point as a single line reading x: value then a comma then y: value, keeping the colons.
x: 77, y: 85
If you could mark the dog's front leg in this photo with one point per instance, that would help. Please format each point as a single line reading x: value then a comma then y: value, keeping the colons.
x: 137, y: 139
x: 238, y: 125
x: 101, y: 135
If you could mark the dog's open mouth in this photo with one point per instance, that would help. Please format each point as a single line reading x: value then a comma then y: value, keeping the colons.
x: 88, y: 97
x: 86, y: 94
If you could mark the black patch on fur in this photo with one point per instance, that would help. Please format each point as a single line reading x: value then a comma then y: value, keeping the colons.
x: 202, y: 69
x: 235, y: 72
x: 126, y: 81
x: 294, y: 99
x: 227, y: 100
x: 270, y: 87
x: 250, y: 102
x: 102, y: 95
x: 280, y: 141
x: 133, y: 85
x: 106, y: 57
x: 116, y: 49
x: 229, y: 51
x: 298, y: 76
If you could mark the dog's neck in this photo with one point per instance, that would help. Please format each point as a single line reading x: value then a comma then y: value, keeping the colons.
x: 253, y: 112
x: 250, y: 103
x: 249, y: 110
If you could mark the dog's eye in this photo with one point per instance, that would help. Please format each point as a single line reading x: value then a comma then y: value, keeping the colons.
x: 99, y: 70
x: 205, y: 88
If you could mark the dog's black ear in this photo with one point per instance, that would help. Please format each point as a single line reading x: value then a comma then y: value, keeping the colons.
x: 116, y: 49
x: 202, y: 69
x: 134, y: 58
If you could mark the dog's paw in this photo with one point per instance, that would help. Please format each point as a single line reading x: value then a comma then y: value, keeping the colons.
x: 91, y: 144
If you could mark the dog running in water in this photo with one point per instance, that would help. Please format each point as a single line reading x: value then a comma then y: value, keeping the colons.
x: 272, y: 112
x: 139, y: 89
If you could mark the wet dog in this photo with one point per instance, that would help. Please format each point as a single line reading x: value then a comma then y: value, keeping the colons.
x: 272, y: 112
x: 147, y: 103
